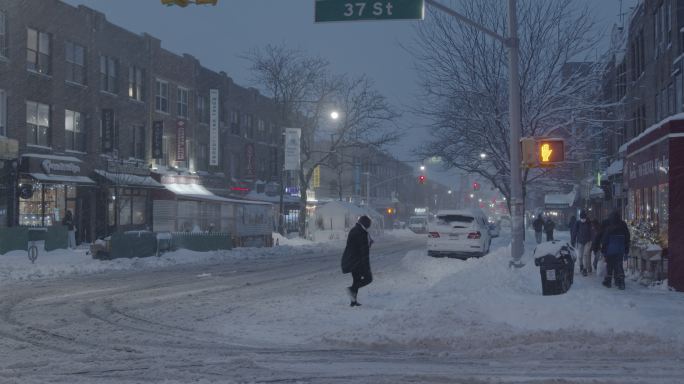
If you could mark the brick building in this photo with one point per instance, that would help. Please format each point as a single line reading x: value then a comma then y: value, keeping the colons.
x: 80, y: 98
x: 644, y: 141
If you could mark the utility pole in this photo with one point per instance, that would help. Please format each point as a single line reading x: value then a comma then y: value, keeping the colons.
x: 512, y: 43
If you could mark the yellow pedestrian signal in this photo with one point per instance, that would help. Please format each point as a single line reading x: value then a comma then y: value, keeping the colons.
x: 539, y: 152
x: 551, y: 151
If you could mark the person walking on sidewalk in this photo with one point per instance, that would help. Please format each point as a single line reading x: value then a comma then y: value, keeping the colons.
x: 581, y: 238
x: 615, y: 247
x: 356, y: 258
x: 538, y: 226
x: 68, y: 221
x: 549, y: 226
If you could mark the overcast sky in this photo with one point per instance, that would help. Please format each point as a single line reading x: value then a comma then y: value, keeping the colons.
x: 217, y: 35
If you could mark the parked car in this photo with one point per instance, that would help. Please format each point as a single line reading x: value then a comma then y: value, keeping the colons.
x: 418, y: 224
x: 494, y: 230
x: 459, y: 233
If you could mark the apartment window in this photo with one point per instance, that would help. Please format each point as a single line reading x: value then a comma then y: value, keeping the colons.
x: 74, y: 132
x: 667, y: 27
x: 38, y: 51
x: 136, y: 83
x: 37, y: 123
x: 202, y: 109
x: 3, y: 113
x: 261, y: 128
x: 3, y: 34
x: 202, y: 156
x: 139, y: 142
x: 108, y: 74
x: 670, y: 99
x: 162, y: 96
x: 75, y: 63
x: 182, y: 102
x: 234, y: 122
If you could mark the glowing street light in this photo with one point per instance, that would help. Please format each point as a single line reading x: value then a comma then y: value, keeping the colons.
x: 483, y: 155
x: 472, y: 195
x: 334, y: 115
x: 422, y: 167
x: 449, y: 191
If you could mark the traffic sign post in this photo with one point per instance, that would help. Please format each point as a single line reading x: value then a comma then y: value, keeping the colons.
x: 358, y: 10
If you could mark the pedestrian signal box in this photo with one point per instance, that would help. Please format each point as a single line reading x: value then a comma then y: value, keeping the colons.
x: 539, y: 152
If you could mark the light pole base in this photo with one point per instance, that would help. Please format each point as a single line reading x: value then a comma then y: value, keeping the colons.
x: 517, y: 264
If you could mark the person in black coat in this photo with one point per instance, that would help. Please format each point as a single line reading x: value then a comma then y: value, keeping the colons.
x: 615, y: 247
x: 356, y: 258
x: 549, y: 226
x: 581, y: 237
x: 538, y: 226
x: 68, y: 221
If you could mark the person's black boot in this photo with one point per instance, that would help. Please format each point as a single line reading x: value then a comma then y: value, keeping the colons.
x: 620, y: 285
x: 606, y: 283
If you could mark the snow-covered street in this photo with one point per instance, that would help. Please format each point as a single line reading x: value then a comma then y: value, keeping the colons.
x: 281, y: 315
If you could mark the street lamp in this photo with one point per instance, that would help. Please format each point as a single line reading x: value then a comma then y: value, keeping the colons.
x: 472, y: 195
x: 449, y: 191
x: 422, y: 167
x: 334, y: 115
x: 483, y: 155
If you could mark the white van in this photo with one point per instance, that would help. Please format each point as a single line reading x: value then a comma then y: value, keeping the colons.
x: 459, y: 233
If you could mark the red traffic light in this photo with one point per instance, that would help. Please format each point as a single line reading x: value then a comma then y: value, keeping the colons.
x: 476, y: 186
x: 421, y: 179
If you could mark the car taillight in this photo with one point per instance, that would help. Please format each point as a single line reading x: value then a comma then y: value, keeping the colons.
x: 433, y: 235
x: 474, y: 235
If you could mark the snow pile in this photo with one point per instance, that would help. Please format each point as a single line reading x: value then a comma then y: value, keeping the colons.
x: 15, y: 265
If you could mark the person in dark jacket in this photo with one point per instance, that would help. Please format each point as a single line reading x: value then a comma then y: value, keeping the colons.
x: 597, y: 230
x: 356, y: 258
x: 571, y: 226
x: 538, y: 226
x: 549, y: 226
x: 615, y: 247
x: 68, y: 221
x: 581, y: 237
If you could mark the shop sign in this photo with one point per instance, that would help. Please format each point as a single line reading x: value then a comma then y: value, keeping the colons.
x: 292, y: 149
x: 50, y: 166
x: 107, y: 130
x: 157, y: 139
x: 249, y: 158
x: 648, y: 167
x: 213, y: 127
x: 180, y: 140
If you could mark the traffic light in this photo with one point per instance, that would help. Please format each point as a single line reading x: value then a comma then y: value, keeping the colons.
x: 551, y: 151
x: 184, y: 3
x: 542, y: 151
x: 390, y: 211
x: 421, y: 179
x: 476, y: 186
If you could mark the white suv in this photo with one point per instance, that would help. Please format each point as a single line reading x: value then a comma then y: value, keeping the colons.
x: 459, y: 233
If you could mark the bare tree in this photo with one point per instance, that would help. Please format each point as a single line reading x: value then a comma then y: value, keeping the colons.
x: 464, y: 78
x: 306, y: 91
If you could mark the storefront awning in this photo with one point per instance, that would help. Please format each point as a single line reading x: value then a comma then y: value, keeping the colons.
x: 128, y: 180
x: 64, y: 179
x: 615, y: 168
x: 199, y: 192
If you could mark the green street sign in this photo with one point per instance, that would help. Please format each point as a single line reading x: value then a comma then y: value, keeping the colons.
x: 356, y: 10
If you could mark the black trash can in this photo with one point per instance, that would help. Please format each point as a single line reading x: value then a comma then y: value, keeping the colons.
x: 556, y: 262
